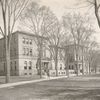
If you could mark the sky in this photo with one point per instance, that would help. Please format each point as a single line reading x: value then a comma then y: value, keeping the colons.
x: 60, y: 7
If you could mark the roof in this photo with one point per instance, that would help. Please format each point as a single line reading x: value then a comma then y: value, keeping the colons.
x: 27, y: 33
x: 76, y: 45
x: 53, y: 46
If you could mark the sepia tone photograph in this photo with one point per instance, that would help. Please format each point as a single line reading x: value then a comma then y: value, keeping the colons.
x: 49, y: 49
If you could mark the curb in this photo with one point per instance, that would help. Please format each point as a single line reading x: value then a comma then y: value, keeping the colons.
x: 27, y: 82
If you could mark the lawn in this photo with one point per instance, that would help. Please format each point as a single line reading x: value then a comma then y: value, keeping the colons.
x: 74, y: 88
x: 19, y: 78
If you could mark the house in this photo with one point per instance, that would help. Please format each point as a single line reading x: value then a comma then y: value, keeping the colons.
x: 95, y: 62
x: 61, y: 71
x: 76, y: 59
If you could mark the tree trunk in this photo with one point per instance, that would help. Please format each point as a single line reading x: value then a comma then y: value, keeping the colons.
x: 67, y: 62
x: 89, y: 68
x: 97, y: 13
x: 40, y: 67
x: 67, y: 69
x: 40, y: 57
x: 77, y: 69
x: 56, y: 60
x: 7, y: 60
x: 7, y: 47
x: 95, y: 69
x: 82, y: 62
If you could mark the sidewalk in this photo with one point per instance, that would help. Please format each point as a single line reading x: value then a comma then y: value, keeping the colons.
x: 31, y: 81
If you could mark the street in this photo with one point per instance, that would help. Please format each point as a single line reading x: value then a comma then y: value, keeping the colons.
x: 73, y: 88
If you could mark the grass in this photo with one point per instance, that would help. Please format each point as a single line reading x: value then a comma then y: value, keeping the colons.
x: 19, y: 78
x: 75, y: 88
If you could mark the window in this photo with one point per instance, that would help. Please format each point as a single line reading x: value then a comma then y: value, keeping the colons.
x: 30, y: 41
x: 11, y: 66
x: 27, y: 51
x: 60, y: 66
x: 30, y: 65
x: 75, y: 66
x: 15, y: 65
x: 4, y: 67
x: 72, y: 67
x: 25, y: 73
x: 71, y: 58
x: 27, y: 41
x: 15, y: 68
x: 69, y: 67
x: 30, y: 73
x: 30, y: 52
x: 76, y: 56
x: 23, y: 40
x: 79, y: 58
x: 14, y: 51
x: 24, y: 49
x: 25, y: 65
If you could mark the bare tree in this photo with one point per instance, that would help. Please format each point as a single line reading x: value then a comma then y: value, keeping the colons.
x: 38, y: 19
x: 96, y: 5
x: 80, y: 29
x: 92, y: 55
x: 11, y: 10
x: 56, y: 37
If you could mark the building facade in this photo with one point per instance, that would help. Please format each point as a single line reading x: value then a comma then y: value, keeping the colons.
x: 77, y: 60
x: 23, y: 52
x: 24, y: 56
